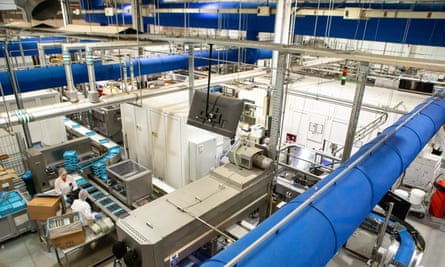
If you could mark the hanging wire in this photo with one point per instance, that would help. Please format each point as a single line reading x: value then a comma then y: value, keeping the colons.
x: 185, y: 14
x: 364, y: 32
x: 240, y: 28
x: 293, y: 18
x: 316, y: 20
x: 9, y: 127
x: 405, y: 33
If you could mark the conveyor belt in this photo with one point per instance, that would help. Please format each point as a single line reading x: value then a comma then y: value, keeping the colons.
x: 121, y: 213
x: 97, y: 195
x: 113, y: 207
x: 105, y: 201
x: 108, y: 204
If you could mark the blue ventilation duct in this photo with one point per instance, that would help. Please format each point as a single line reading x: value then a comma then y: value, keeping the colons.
x: 312, y: 237
x: 28, y: 46
x: 54, y: 76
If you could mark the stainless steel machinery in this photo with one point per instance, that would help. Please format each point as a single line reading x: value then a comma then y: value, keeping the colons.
x: 299, y: 169
x: 44, y: 162
x: 249, y: 157
x: 107, y: 121
x: 129, y: 181
x: 170, y: 228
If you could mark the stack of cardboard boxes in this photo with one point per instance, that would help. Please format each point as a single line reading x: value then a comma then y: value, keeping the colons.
x: 7, y: 179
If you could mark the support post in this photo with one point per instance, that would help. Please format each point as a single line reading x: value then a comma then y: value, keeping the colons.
x: 191, y: 72
x: 72, y: 93
x: 355, y: 111
x: 16, y: 89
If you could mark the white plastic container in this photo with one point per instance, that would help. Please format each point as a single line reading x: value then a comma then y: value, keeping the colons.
x: 402, y: 193
x: 416, y: 196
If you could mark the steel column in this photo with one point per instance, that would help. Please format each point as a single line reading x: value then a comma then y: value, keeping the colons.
x: 16, y: 89
x: 191, y: 72
x: 355, y: 111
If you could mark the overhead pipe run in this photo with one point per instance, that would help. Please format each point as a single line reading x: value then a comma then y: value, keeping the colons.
x: 38, y: 113
x: 55, y: 76
x: 328, y: 213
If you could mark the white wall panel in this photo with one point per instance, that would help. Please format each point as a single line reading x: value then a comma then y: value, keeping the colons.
x: 158, y: 143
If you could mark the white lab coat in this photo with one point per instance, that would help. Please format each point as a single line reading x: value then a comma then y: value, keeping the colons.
x: 63, y: 187
x: 85, y: 210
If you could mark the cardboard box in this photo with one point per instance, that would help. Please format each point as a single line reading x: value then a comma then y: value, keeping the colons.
x: 7, y: 180
x: 69, y: 239
x: 65, y: 230
x: 41, y: 208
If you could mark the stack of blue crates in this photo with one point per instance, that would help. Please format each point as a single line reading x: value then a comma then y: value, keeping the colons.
x: 11, y: 202
x: 99, y: 169
x: 71, y: 160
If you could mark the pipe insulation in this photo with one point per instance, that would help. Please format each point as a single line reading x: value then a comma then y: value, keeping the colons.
x: 322, y: 224
x: 54, y: 76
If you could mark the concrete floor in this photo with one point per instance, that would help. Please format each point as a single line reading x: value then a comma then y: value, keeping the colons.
x: 28, y: 251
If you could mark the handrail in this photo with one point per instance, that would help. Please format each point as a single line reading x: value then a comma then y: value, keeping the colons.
x: 366, y: 130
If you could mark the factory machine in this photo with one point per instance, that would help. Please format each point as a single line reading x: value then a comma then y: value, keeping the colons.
x: 299, y: 169
x: 107, y: 121
x: 95, y: 152
x: 89, y: 146
x: 383, y: 239
x: 172, y: 227
x: 44, y: 162
x: 129, y: 181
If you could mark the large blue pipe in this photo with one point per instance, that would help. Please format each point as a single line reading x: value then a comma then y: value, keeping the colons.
x: 28, y: 46
x: 54, y: 76
x: 313, y: 236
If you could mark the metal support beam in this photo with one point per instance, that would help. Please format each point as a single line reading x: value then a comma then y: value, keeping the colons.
x: 281, y: 36
x: 427, y: 64
x: 137, y: 23
x: 191, y: 72
x: 72, y: 92
x: 355, y: 112
x: 16, y: 89
x: 66, y: 12
x: 277, y: 99
x: 93, y: 95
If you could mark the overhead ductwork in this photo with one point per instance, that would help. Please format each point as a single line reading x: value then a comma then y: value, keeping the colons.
x: 38, y: 9
x: 54, y: 76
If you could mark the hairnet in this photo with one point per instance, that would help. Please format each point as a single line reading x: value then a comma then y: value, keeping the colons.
x: 61, y: 171
x: 83, y: 194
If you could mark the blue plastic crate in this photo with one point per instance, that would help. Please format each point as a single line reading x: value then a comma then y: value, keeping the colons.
x: 13, y: 202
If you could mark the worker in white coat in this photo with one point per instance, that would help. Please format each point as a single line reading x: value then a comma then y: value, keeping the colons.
x: 82, y: 206
x: 65, y: 184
